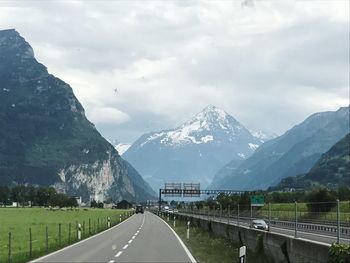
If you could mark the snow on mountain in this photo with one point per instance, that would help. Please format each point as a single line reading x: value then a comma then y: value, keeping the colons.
x: 263, y: 135
x: 207, y: 126
x: 194, y: 151
x: 122, y: 147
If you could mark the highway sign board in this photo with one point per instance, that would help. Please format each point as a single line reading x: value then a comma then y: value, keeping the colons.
x: 257, y: 200
x: 173, y: 190
x: 191, y: 190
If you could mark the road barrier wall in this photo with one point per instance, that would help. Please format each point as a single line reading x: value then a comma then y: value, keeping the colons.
x: 280, y: 247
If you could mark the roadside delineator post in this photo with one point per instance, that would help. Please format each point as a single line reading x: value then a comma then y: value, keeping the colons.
x: 120, y: 218
x: 79, y: 231
x: 238, y: 215
x: 338, y: 222
x: 168, y: 216
x: 174, y: 221
x: 188, y: 230
x: 108, y: 222
x: 242, y: 254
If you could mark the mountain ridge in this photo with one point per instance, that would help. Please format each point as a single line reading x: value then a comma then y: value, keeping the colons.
x: 292, y: 153
x: 46, y: 138
x: 194, y: 150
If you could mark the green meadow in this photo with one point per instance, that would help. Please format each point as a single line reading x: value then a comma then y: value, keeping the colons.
x: 48, y: 230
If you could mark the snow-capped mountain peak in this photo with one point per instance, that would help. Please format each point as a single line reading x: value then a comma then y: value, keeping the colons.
x: 194, y: 151
x: 211, y: 125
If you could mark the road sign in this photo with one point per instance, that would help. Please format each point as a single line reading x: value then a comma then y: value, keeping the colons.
x: 191, y: 190
x: 173, y: 190
x: 257, y: 200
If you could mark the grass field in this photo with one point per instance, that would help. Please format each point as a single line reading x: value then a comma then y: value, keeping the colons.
x: 61, y: 228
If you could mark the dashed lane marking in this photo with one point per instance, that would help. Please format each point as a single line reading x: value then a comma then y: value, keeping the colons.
x: 118, y: 254
x: 130, y: 241
x: 125, y: 247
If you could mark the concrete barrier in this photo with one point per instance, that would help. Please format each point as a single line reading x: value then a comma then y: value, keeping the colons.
x: 279, y: 247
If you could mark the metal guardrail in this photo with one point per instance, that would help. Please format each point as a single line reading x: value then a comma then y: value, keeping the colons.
x: 330, y: 230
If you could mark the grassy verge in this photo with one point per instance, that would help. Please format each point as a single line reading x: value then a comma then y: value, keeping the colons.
x: 61, y: 228
x: 207, y: 247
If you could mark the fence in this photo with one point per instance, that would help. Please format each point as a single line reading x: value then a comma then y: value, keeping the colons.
x: 330, y: 217
x: 30, y: 245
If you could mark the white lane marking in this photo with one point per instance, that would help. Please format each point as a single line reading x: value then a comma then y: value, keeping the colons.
x: 139, y: 228
x: 118, y: 254
x: 125, y: 247
x: 130, y: 241
x: 133, y: 237
x: 181, y: 243
x: 111, y: 261
x: 80, y: 242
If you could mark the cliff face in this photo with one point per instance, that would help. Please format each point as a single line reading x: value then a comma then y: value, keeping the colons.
x: 45, y: 137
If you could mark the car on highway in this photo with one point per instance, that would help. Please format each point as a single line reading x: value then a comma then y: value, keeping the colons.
x: 259, y: 224
x: 139, y: 209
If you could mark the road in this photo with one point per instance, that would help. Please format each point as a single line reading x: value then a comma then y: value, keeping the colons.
x: 141, y: 238
x: 324, y: 237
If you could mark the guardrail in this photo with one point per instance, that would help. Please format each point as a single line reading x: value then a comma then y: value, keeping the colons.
x: 331, y: 230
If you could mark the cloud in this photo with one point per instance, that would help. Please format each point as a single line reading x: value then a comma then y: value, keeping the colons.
x: 137, y: 68
x: 106, y: 115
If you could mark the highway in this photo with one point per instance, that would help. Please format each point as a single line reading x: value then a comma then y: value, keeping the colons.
x: 324, y: 237
x: 141, y: 238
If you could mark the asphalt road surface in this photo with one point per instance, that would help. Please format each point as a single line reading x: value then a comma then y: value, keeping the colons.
x: 141, y: 238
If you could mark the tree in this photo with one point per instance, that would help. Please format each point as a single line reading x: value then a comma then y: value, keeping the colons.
x: 320, y: 200
x: 4, y: 195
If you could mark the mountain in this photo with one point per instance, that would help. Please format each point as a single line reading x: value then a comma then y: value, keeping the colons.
x: 120, y: 147
x: 45, y: 138
x: 263, y: 135
x: 331, y: 170
x: 295, y: 152
x: 192, y: 152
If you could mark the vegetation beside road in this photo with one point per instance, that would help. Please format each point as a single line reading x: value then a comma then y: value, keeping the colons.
x: 207, y: 247
x: 60, y: 223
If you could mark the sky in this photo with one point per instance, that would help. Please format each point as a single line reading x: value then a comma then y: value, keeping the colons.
x: 141, y: 66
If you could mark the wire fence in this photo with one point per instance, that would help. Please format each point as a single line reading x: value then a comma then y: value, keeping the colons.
x: 44, y: 239
x: 332, y: 218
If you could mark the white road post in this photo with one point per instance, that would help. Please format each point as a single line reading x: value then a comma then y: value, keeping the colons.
x: 242, y: 254
x: 168, y: 216
x: 174, y: 221
x: 79, y: 231
x: 108, y: 222
x: 120, y: 218
x: 188, y: 229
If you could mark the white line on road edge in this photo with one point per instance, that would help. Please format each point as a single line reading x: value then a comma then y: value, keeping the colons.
x: 125, y: 247
x: 78, y: 243
x: 182, y: 243
x: 111, y: 261
x: 133, y: 237
x: 130, y: 241
x: 118, y: 254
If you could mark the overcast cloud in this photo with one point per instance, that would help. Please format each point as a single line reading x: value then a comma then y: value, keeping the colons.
x: 143, y: 66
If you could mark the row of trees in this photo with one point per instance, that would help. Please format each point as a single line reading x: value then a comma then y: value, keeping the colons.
x: 38, y: 196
